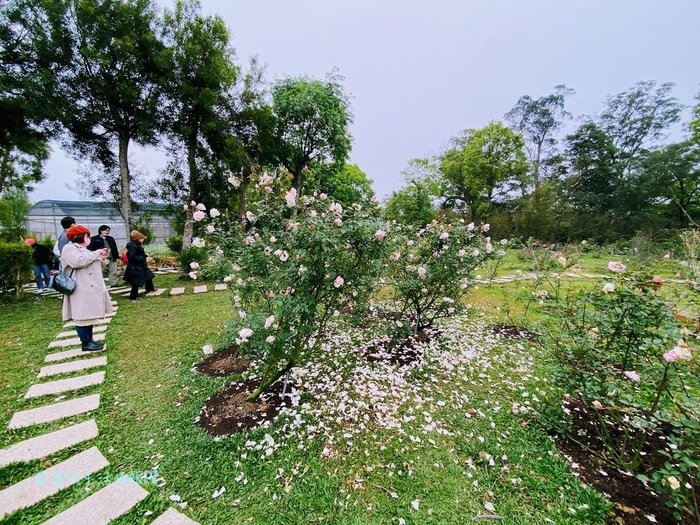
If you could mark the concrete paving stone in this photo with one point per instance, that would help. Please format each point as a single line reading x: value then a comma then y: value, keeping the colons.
x: 47, y: 444
x: 95, y: 329
x: 104, y: 320
x: 157, y: 292
x: 50, y: 481
x: 177, y: 291
x: 105, y: 505
x: 73, y: 366
x: 64, y: 385
x: 173, y: 517
x: 70, y: 354
x: 201, y: 289
x: 119, y: 289
x: 54, y: 411
x: 125, y: 294
x: 73, y: 341
x: 220, y: 287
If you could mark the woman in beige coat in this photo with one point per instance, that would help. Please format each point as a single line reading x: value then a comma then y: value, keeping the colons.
x: 90, y: 300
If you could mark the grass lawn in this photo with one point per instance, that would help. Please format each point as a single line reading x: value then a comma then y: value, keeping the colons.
x: 460, y: 447
x: 440, y: 442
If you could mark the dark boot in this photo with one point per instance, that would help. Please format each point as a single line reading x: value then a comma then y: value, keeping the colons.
x: 134, y: 292
x: 91, y: 346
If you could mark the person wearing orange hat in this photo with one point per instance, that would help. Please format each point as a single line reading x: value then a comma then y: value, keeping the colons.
x: 90, y: 301
x: 42, y: 262
x: 137, y: 272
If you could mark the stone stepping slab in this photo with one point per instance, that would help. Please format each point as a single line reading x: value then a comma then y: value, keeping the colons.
x: 157, y: 292
x: 105, y: 505
x: 200, y: 289
x: 69, y: 333
x: 50, y: 481
x: 177, y: 291
x: 70, y: 354
x: 73, y: 366
x: 173, y: 517
x: 64, y: 385
x: 73, y: 341
x: 119, y: 289
x: 54, y: 412
x: 47, y: 444
x: 220, y: 287
x: 106, y: 320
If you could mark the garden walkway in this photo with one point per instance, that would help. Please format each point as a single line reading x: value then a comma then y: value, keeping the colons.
x: 108, y: 503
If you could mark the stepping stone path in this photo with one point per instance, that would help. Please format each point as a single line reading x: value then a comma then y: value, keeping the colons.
x: 65, y: 385
x: 157, y: 292
x: 173, y: 517
x: 50, y: 481
x: 200, y: 289
x: 220, y: 287
x: 73, y: 366
x: 177, y: 291
x: 105, y: 505
x: 108, y: 503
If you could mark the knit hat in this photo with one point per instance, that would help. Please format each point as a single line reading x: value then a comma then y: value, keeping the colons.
x: 29, y: 242
x: 75, y: 230
x: 137, y: 235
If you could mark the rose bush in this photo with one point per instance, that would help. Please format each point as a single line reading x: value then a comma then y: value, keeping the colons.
x: 621, y: 354
x: 296, y: 264
x: 429, y: 270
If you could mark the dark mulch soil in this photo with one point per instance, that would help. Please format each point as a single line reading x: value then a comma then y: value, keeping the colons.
x: 633, y: 501
x: 399, y: 353
x: 228, y: 412
x: 223, y: 363
x: 509, y: 331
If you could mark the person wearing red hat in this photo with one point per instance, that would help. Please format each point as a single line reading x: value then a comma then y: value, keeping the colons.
x: 90, y: 300
x: 42, y: 262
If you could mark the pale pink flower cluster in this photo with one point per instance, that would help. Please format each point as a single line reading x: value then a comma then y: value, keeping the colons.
x: 291, y: 198
x: 338, y: 282
x: 444, y: 236
x: 210, y: 229
x: 201, y: 207
x: 461, y: 254
x: 198, y: 242
x: 208, y: 349
x: 265, y: 180
x: 336, y: 208
x: 244, y: 334
x: 214, y: 213
x: 616, y: 266
x: 199, y: 215
x: 395, y: 256
x: 234, y: 181
x: 250, y: 216
x: 269, y: 321
x: 192, y: 275
x: 380, y: 235
x: 323, y: 197
x: 194, y: 265
x: 680, y: 352
x: 421, y: 271
x: 632, y: 376
x: 249, y: 240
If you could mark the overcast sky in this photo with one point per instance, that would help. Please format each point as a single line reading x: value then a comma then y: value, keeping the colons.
x: 419, y: 72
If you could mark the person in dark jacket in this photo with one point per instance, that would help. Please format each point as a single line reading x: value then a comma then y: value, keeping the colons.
x: 104, y: 240
x: 42, y: 262
x: 66, y: 223
x: 137, y: 272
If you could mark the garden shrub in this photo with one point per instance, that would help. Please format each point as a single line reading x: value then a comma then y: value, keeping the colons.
x: 430, y: 269
x: 194, y: 254
x: 296, y: 266
x: 15, y: 266
x: 620, y: 353
x: 174, y: 243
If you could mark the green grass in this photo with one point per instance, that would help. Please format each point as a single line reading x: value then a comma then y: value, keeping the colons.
x: 151, y: 398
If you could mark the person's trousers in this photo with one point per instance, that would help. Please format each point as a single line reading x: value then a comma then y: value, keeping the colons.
x: 112, y: 273
x: 85, y: 333
x: 135, y: 289
x: 39, y: 271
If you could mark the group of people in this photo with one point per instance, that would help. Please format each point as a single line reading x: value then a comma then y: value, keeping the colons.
x: 84, y: 259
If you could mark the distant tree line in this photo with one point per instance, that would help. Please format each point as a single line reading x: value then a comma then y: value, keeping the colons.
x: 610, y: 178
x: 102, y: 75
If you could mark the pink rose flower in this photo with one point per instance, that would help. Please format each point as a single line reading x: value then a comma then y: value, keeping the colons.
x: 616, y: 266
x: 632, y: 375
x: 379, y: 235
x: 198, y: 215
x: 201, y: 207
x: 339, y: 281
x: 214, y: 212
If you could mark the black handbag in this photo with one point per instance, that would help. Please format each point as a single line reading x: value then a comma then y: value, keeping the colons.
x: 63, y: 283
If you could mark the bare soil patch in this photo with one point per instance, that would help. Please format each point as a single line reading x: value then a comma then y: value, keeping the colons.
x: 509, y: 331
x: 399, y: 353
x: 223, y: 363
x: 633, y: 501
x: 228, y: 412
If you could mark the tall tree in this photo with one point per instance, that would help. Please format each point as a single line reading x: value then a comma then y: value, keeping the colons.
x: 348, y: 185
x: 109, y: 82
x: 673, y: 173
x: 313, y: 119
x: 29, y: 51
x: 200, y: 77
x: 538, y: 120
x: 482, y: 165
x: 639, y: 118
x: 411, y: 205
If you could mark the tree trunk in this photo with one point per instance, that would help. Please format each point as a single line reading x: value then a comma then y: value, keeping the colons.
x: 4, y: 167
x: 536, y: 167
x: 124, y: 182
x: 188, y: 231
